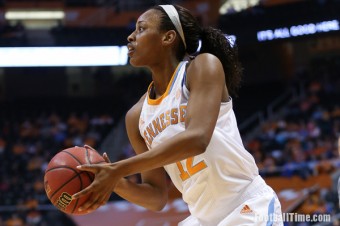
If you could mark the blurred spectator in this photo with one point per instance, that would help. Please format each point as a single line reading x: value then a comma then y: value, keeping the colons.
x: 33, y: 218
x: 27, y: 146
x: 14, y: 220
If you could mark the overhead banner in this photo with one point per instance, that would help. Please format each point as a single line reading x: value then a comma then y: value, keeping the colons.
x: 298, y: 30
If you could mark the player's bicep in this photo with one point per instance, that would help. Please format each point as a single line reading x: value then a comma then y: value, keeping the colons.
x: 132, y: 128
x: 206, y: 83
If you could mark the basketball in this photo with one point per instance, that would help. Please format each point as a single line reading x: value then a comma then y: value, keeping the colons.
x: 62, y: 178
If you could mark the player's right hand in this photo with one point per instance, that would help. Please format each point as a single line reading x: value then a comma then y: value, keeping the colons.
x: 102, y: 186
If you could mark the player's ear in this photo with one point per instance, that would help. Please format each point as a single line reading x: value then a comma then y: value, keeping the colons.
x: 169, y: 37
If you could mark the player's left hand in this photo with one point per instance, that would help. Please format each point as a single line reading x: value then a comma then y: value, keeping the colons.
x: 102, y: 185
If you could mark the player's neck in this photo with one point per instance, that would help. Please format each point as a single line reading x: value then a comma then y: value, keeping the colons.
x: 161, y: 76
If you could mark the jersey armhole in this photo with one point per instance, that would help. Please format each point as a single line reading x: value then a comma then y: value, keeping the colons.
x: 184, y: 86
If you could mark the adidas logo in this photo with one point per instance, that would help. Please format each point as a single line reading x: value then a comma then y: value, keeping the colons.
x: 246, y: 209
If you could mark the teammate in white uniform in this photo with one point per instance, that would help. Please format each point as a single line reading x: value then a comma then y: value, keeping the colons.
x: 185, y: 124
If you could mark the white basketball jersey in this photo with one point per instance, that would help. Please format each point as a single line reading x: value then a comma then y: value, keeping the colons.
x: 211, y: 183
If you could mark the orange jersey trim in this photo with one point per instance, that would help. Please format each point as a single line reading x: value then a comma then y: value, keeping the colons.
x: 168, y: 89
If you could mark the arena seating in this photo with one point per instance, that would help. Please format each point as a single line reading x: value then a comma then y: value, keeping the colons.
x: 295, y: 150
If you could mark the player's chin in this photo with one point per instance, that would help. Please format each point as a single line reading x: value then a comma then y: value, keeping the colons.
x: 135, y: 62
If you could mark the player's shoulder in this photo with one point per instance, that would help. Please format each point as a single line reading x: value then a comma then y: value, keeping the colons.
x: 204, y: 61
x: 203, y: 68
x: 135, y: 110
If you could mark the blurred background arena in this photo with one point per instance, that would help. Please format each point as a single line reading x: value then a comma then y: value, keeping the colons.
x: 288, y: 108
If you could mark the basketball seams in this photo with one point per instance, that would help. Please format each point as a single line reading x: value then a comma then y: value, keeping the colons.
x: 75, y: 158
x: 60, y: 167
x: 68, y: 181
x: 87, y: 157
x: 72, y: 178
x: 64, y: 168
x: 80, y: 163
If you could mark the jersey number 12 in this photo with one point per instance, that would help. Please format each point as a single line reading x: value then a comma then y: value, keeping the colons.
x: 191, y: 168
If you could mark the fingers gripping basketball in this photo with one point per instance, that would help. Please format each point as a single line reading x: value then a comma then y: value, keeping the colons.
x: 63, y: 179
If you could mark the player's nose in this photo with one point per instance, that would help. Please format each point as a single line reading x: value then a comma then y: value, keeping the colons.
x: 131, y: 37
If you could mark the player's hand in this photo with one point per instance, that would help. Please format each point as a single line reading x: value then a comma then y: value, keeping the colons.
x: 101, y: 187
x: 105, y: 156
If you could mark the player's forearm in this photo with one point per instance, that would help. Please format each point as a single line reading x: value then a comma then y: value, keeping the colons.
x: 179, y: 147
x: 141, y: 194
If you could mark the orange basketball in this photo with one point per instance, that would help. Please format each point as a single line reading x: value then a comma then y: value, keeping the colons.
x: 62, y: 178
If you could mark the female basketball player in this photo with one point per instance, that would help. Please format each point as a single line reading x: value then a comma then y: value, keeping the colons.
x: 185, y: 124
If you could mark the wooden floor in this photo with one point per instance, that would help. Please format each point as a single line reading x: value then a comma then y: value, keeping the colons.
x: 123, y: 213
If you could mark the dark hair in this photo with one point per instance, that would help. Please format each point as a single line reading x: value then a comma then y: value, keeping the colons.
x: 213, y: 41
